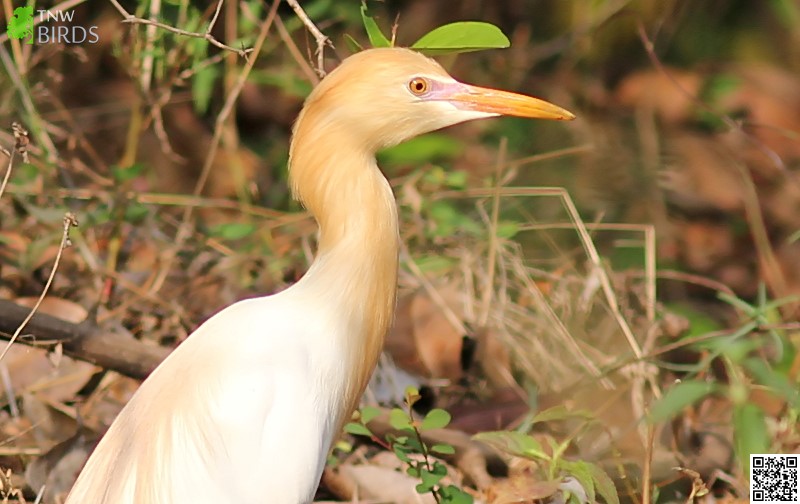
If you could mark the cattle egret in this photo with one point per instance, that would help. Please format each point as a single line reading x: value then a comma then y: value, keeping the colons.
x: 246, y: 409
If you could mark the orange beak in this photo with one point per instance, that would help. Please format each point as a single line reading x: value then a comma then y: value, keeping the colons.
x: 494, y: 101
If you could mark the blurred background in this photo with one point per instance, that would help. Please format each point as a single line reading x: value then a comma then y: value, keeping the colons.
x: 580, y: 268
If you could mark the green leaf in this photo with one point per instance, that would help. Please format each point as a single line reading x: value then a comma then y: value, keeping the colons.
x: 203, y: 87
x: 399, y: 420
x: 127, y: 173
x: 582, y: 472
x: 440, y: 469
x: 233, y: 230
x: 507, y: 229
x: 787, y: 12
x: 287, y: 82
x: 100, y: 215
x: 750, y: 432
x: 412, y: 395
x: 430, y: 148
x: 436, y: 419
x: 514, y: 443
x: 560, y: 412
x: 443, y: 449
x: 678, y: 397
x: 198, y: 48
x: 604, y: 484
x: 434, y: 263
x: 343, y: 446
x: 699, y: 321
x: 777, y: 383
x: 719, y: 86
x: 376, y: 36
x: 451, y: 494
x: 46, y: 214
x: 24, y: 174
x: 401, y: 453
x: 369, y: 413
x: 456, y: 179
x: 413, y: 444
x: 422, y: 488
x: 429, y: 480
x: 352, y: 44
x: 459, y: 37
x: 357, y: 429
x: 135, y: 212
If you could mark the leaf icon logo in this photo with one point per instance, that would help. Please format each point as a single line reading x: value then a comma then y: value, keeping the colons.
x: 20, y: 25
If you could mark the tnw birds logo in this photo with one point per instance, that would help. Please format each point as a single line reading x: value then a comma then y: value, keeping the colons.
x: 54, y: 27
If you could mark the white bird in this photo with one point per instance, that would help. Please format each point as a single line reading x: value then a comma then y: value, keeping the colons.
x: 246, y: 409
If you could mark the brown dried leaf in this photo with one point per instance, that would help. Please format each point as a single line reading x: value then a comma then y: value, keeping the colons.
x: 520, y: 489
x: 57, y: 307
x: 651, y: 88
x: 423, y: 341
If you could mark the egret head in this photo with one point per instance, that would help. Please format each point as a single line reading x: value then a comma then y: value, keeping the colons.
x: 385, y: 96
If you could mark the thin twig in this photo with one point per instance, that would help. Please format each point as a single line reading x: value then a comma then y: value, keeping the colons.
x: 648, y: 464
x: 10, y: 155
x: 321, y: 39
x: 69, y: 221
x: 130, y: 18
x: 148, y: 62
x: 21, y: 141
x: 214, y: 18
x: 307, y: 69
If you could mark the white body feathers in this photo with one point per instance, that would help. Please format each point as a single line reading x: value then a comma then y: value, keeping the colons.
x: 243, y: 412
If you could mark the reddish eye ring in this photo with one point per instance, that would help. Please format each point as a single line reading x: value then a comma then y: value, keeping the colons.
x: 418, y: 86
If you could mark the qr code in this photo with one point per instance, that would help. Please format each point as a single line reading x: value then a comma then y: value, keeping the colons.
x: 773, y: 479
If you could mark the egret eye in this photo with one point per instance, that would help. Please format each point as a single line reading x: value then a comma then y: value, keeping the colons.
x: 418, y: 86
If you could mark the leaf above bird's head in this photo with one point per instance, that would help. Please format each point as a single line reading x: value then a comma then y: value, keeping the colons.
x: 452, y: 38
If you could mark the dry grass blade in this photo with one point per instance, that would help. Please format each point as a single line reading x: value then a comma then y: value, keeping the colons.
x: 486, y: 299
x: 585, y: 238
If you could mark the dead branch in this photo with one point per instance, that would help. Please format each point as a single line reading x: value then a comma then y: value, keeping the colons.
x: 83, y: 341
x: 321, y: 39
